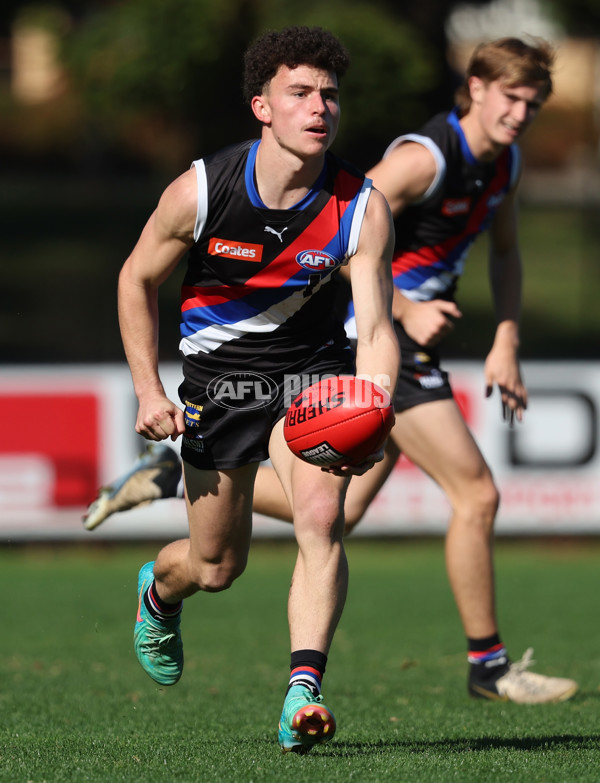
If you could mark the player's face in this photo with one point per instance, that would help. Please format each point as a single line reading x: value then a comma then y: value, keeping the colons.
x: 505, y: 112
x: 301, y: 107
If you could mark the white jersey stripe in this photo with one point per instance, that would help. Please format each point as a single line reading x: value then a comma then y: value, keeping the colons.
x: 361, y: 208
x: 202, y: 210
x: 212, y: 337
x: 440, y: 160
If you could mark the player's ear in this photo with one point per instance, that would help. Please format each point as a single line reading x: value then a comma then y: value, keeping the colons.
x: 476, y: 88
x: 260, y: 107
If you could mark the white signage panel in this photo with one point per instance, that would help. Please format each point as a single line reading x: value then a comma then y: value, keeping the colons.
x: 67, y: 430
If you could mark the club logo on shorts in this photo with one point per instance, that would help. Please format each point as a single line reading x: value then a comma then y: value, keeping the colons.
x: 192, y: 414
x: 316, y: 260
x: 242, y: 390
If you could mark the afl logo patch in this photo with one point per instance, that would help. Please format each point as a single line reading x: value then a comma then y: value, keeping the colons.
x: 495, y: 200
x: 316, y: 260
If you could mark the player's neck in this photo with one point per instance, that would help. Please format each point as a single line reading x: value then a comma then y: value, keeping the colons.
x: 283, y: 178
x: 481, y: 145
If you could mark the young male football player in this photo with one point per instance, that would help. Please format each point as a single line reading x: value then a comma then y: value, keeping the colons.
x: 248, y: 217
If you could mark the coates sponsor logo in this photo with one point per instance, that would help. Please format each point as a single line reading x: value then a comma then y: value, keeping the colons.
x: 242, y: 390
x: 456, y: 206
x: 316, y: 260
x: 229, y: 248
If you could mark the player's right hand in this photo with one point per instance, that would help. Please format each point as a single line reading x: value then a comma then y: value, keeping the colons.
x: 356, y: 470
x: 429, y: 322
x: 159, y: 418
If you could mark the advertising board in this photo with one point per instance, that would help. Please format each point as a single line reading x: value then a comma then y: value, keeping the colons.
x: 69, y: 429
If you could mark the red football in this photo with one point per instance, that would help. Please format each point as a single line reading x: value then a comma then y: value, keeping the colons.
x: 338, y: 421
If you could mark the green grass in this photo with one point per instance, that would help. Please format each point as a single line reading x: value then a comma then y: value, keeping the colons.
x: 76, y: 706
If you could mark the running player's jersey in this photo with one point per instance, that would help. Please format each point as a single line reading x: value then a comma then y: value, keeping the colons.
x: 260, y: 282
x: 433, y: 236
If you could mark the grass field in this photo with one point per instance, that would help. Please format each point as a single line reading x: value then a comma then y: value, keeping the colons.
x: 76, y: 706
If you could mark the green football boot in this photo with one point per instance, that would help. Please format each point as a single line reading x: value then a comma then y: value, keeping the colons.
x: 157, y: 643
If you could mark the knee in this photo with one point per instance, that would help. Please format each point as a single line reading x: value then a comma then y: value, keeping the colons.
x: 479, y: 505
x: 216, y: 576
x: 321, y: 516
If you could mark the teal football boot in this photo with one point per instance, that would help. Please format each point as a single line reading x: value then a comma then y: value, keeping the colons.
x: 305, y: 721
x: 157, y: 643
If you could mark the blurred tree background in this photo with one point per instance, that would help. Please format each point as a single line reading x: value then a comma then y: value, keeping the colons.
x: 103, y: 103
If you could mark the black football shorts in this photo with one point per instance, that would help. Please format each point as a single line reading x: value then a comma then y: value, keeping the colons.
x: 229, y: 415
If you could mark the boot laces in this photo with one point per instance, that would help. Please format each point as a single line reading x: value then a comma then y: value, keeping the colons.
x: 525, y: 662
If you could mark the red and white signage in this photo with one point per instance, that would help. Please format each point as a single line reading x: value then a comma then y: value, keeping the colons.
x: 67, y: 430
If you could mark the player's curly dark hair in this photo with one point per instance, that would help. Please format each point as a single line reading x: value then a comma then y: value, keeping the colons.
x: 292, y: 46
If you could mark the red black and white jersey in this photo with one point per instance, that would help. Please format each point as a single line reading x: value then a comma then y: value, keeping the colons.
x: 261, y: 281
x: 434, y: 235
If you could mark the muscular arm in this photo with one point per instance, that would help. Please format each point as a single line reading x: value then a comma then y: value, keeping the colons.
x: 370, y: 275
x: 371, y: 280
x: 403, y: 177
x: 502, y: 363
x: 164, y: 240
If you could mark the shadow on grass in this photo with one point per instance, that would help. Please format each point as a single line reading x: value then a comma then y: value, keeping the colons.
x: 470, y: 745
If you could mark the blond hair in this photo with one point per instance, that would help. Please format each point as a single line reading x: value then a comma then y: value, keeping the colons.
x: 511, y: 61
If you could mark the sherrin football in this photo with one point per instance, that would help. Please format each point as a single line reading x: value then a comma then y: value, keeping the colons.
x: 339, y: 421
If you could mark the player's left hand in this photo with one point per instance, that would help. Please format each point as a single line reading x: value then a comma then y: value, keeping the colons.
x: 346, y: 471
x: 502, y: 369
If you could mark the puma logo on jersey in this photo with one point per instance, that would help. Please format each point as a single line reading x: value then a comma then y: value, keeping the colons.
x: 229, y: 248
x: 278, y: 234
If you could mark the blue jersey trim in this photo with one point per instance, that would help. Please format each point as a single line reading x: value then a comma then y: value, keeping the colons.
x: 253, y: 192
x: 453, y: 121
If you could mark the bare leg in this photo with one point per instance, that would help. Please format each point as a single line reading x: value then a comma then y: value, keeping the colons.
x: 456, y: 464
x: 362, y: 489
x: 270, y: 498
x: 219, y: 505
x: 320, y: 578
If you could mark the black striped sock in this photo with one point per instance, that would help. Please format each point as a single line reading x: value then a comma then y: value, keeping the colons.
x: 159, y: 609
x: 307, y: 668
